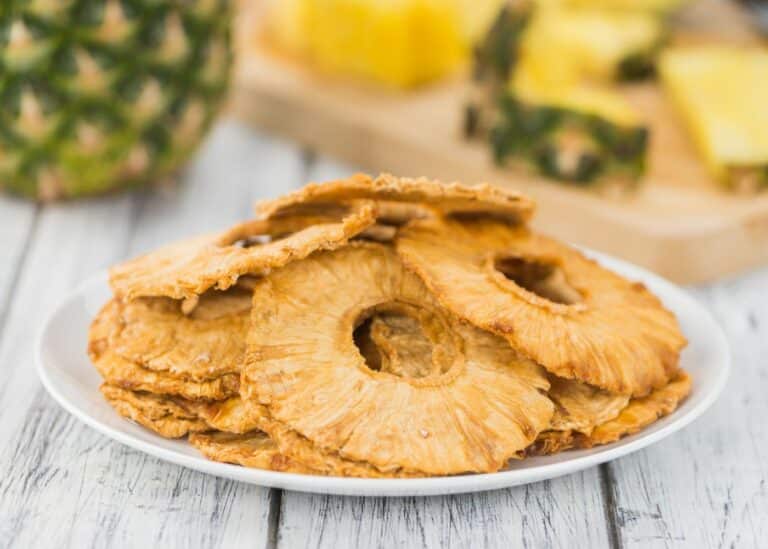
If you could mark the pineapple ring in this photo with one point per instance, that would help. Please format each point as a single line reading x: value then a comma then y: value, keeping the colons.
x: 254, y: 449
x: 575, y: 318
x: 638, y: 414
x: 238, y: 440
x: 239, y: 416
x: 303, y: 364
x: 133, y: 389
x: 173, y: 417
x: 402, y: 199
x: 203, y: 345
x: 119, y: 371
x: 186, y: 269
x: 158, y: 413
x: 580, y: 407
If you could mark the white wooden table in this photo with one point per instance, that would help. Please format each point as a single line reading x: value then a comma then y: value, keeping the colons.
x: 64, y: 485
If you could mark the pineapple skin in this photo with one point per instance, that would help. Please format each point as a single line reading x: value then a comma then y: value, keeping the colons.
x: 97, y: 95
x: 542, y: 91
x: 572, y: 146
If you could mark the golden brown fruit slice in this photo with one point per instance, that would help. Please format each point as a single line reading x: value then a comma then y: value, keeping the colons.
x: 209, y: 342
x: 254, y: 449
x: 186, y: 269
x: 580, y: 407
x: 638, y: 414
x: 472, y: 413
x: 446, y: 198
x: 566, y: 312
x: 242, y: 417
x: 124, y: 373
x: 641, y: 412
x: 155, y: 412
x: 325, y: 462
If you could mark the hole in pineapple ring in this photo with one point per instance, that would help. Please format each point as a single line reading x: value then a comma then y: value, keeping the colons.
x: 405, y: 340
x: 544, y: 278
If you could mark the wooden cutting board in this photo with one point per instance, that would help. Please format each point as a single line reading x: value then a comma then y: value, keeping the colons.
x: 679, y: 223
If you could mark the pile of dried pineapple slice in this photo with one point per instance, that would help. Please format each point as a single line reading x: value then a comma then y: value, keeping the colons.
x: 384, y: 327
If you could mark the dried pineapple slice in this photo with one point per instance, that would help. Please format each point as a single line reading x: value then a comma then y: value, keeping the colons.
x: 124, y: 373
x: 188, y: 268
x: 323, y: 461
x: 302, y: 363
x: 638, y: 414
x: 115, y: 370
x: 207, y: 343
x: 641, y: 412
x: 452, y: 199
x: 240, y: 442
x: 215, y: 402
x: 173, y: 416
x: 580, y: 407
x: 155, y: 412
x: 577, y: 319
x: 254, y: 449
x: 722, y: 95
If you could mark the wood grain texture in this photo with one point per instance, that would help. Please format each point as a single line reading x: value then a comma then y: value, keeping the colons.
x: 708, y: 486
x: 63, y: 485
x: 546, y: 514
x: 17, y: 222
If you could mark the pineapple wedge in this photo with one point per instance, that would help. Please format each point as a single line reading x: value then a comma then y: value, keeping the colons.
x: 566, y: 44
x: 660, y: 7
x: 400, y: 43
x: 577, y: 134
x: 722, y: 94
x: 542, y: 91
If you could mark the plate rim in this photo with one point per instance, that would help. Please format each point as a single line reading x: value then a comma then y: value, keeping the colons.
x: 427, y: 486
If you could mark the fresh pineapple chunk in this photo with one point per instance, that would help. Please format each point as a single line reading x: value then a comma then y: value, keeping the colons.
x: 400, y: 43
x: 648, y: 6
x: 722, y: 95
x: 543, y: 92
x: 476, y: 17
x: 589, y: 99
x: 286, y: 25
x: 566, y: 44
x: 579, y: 133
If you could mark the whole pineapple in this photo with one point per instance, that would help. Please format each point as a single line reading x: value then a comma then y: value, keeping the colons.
x: 103, y: 94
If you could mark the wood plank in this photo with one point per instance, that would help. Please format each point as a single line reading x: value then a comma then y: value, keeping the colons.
x: 557, y: 513
x: 547, y: 514
x: 65, y: 485
x: 679, y: 223
x: 708, y: 485
x: 18, y: 220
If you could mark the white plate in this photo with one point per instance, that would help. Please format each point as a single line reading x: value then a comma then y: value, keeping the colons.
x: 67, y: 374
